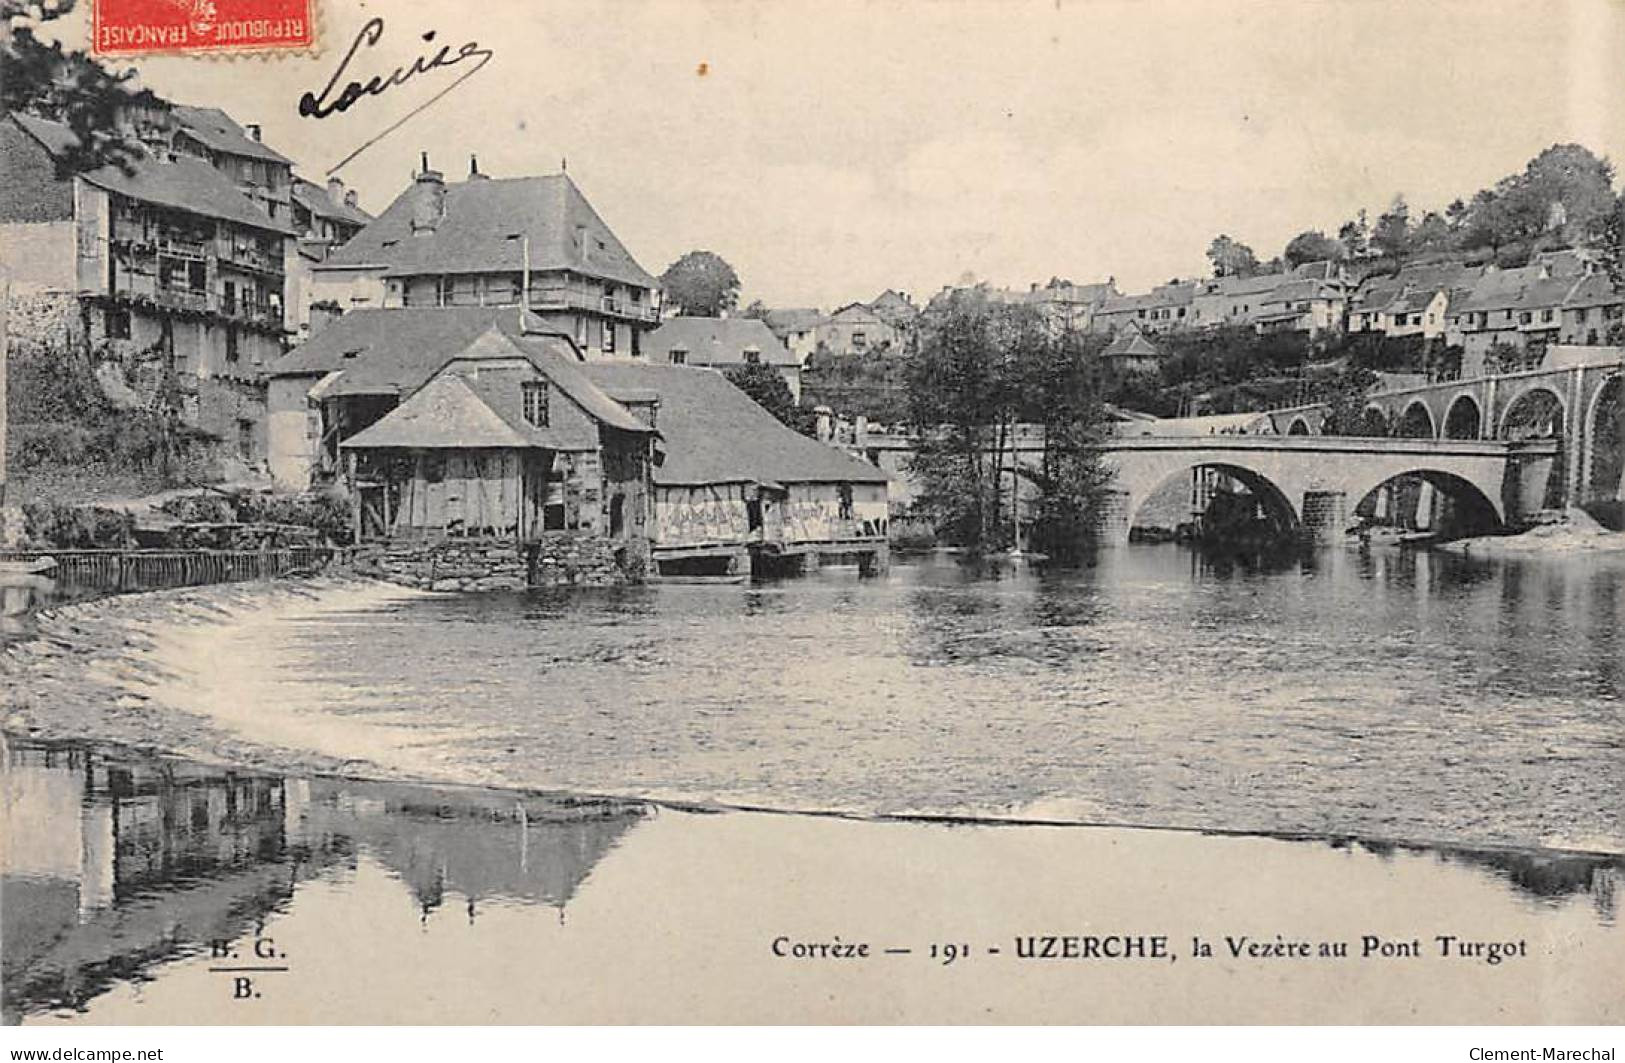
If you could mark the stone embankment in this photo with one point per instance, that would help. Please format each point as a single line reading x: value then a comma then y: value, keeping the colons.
x: 558, y: 559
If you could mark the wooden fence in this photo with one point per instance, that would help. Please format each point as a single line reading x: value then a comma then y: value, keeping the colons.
x: 147, y: 570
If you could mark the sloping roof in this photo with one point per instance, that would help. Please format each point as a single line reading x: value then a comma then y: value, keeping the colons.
x: 218, y: 131
x: 186, y: 184
x: 856, y: 312
x: 1256, y: 284
x: 452, y: 412
x: 1500, y: 289
x: 1295, y: 290
x: 717, y: 341
x: 472, y: 237
x: 1595, y: 290
x: 1412, y: 301
x: 393, y: 352
x: 715, y: 433
x: 1131, y: 343
x: 314, y: 198
x: 794, y: 319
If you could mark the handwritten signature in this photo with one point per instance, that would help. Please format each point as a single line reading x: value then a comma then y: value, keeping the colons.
x: 323, y: 104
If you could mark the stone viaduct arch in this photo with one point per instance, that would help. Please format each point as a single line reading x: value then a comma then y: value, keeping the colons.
x: 1464, y: 419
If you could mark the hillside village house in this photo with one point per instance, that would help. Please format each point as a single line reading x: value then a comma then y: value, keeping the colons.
x: 481, y: 241
x: 796, y: 328
x: 1131, y: 352
x: 723, y: 343
x: 895, y: 308
x: 1515, y: 307
x: 1231, y: 300
x: 168, y: 271
x: 1590, y: 309
x: 1071, y: 307
x: 856, y: 329
x: 1303, y: 304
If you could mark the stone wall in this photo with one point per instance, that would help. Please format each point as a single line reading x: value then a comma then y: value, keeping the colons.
x: 558, y: 559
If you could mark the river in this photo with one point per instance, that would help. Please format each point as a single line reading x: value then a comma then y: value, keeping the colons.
x: 1392, y: 694
x: 1398, y: 751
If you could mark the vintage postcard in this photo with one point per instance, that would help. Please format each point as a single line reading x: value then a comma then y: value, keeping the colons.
x: 703, y: 512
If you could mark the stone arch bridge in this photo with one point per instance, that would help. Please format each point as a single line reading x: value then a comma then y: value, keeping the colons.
x: 1312, y: 483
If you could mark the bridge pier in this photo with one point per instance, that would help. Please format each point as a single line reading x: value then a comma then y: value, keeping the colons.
x: 1110, y: 526
x: 1325, y: 516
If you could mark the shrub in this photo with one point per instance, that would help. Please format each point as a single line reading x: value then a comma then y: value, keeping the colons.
x: 77, y: 527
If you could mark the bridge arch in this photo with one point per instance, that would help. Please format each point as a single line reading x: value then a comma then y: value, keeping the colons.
x: 1278, y: 507
x: 1373, y: 422
x: 1536, y: 412
x: 1464, y: 419
x: 1470, y: 510
x: 1604, y: 470
x: 1416, y: 422
x: 1299, y: 427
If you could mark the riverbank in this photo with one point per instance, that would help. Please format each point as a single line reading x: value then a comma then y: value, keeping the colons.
x: 1578, y: 534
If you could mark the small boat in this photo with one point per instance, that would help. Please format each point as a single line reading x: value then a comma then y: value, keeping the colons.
x: 727, y: 578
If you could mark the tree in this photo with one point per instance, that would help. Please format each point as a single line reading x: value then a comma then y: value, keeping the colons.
x: 701, y: 284
x: 757, y: 309
x: 1392, y: 235
x: 1312, y: 245
x: 764, y: 384
x: 1231, y: 258
x: 979, y: 369
x: 1432, y: 234
x: 1569, y: 190
x: 69, y: 87
x: 1355, y: 236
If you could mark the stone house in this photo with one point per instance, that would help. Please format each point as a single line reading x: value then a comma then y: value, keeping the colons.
x: 1590, y: 309
x: 167, y: 270
x: 1302, y: 304
x: 532, y: 242
x: 723, y: 343
x: 856, y: 329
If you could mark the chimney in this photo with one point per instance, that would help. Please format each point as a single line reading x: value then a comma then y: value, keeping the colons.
x: 253, y: 129
x: 350, y: 199
x: 428, y: 199
x: 474, y: 169
x: 335, y: 190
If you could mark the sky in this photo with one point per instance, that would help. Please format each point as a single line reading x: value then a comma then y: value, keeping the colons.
x: 832, y: 149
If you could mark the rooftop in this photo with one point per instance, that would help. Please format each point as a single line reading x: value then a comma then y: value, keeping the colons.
x: 218, y: 131
x: 717, y: 341
x: 473, y: 235
x: 715, y: 433
x: 186, y: 184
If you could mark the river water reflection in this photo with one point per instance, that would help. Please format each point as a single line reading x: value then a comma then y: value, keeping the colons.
x: 1387, y: 694
x: 343, y: 901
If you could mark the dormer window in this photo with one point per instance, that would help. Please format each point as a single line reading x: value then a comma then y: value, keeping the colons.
x: 753, y: 356
x: 533, y: 396
x: 679, y: 356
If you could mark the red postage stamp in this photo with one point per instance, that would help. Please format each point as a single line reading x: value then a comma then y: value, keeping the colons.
x: 141, y: 27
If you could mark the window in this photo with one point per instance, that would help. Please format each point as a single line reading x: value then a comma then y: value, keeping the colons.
x: 845, y: 501
x: 1523, y: 317
x: 533, y: 394
x: 1545, y: 315
x: 609, y: 337
x: 679, y: 356
x: 231, y: 344
x: 1581, y: 315
x: 753, y: 356
x: 245, y: 439
x: 228, y: 301
x: 581, y: 332
x: 859, y: 340
x: 118, y: 323
x: 637, y: 348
